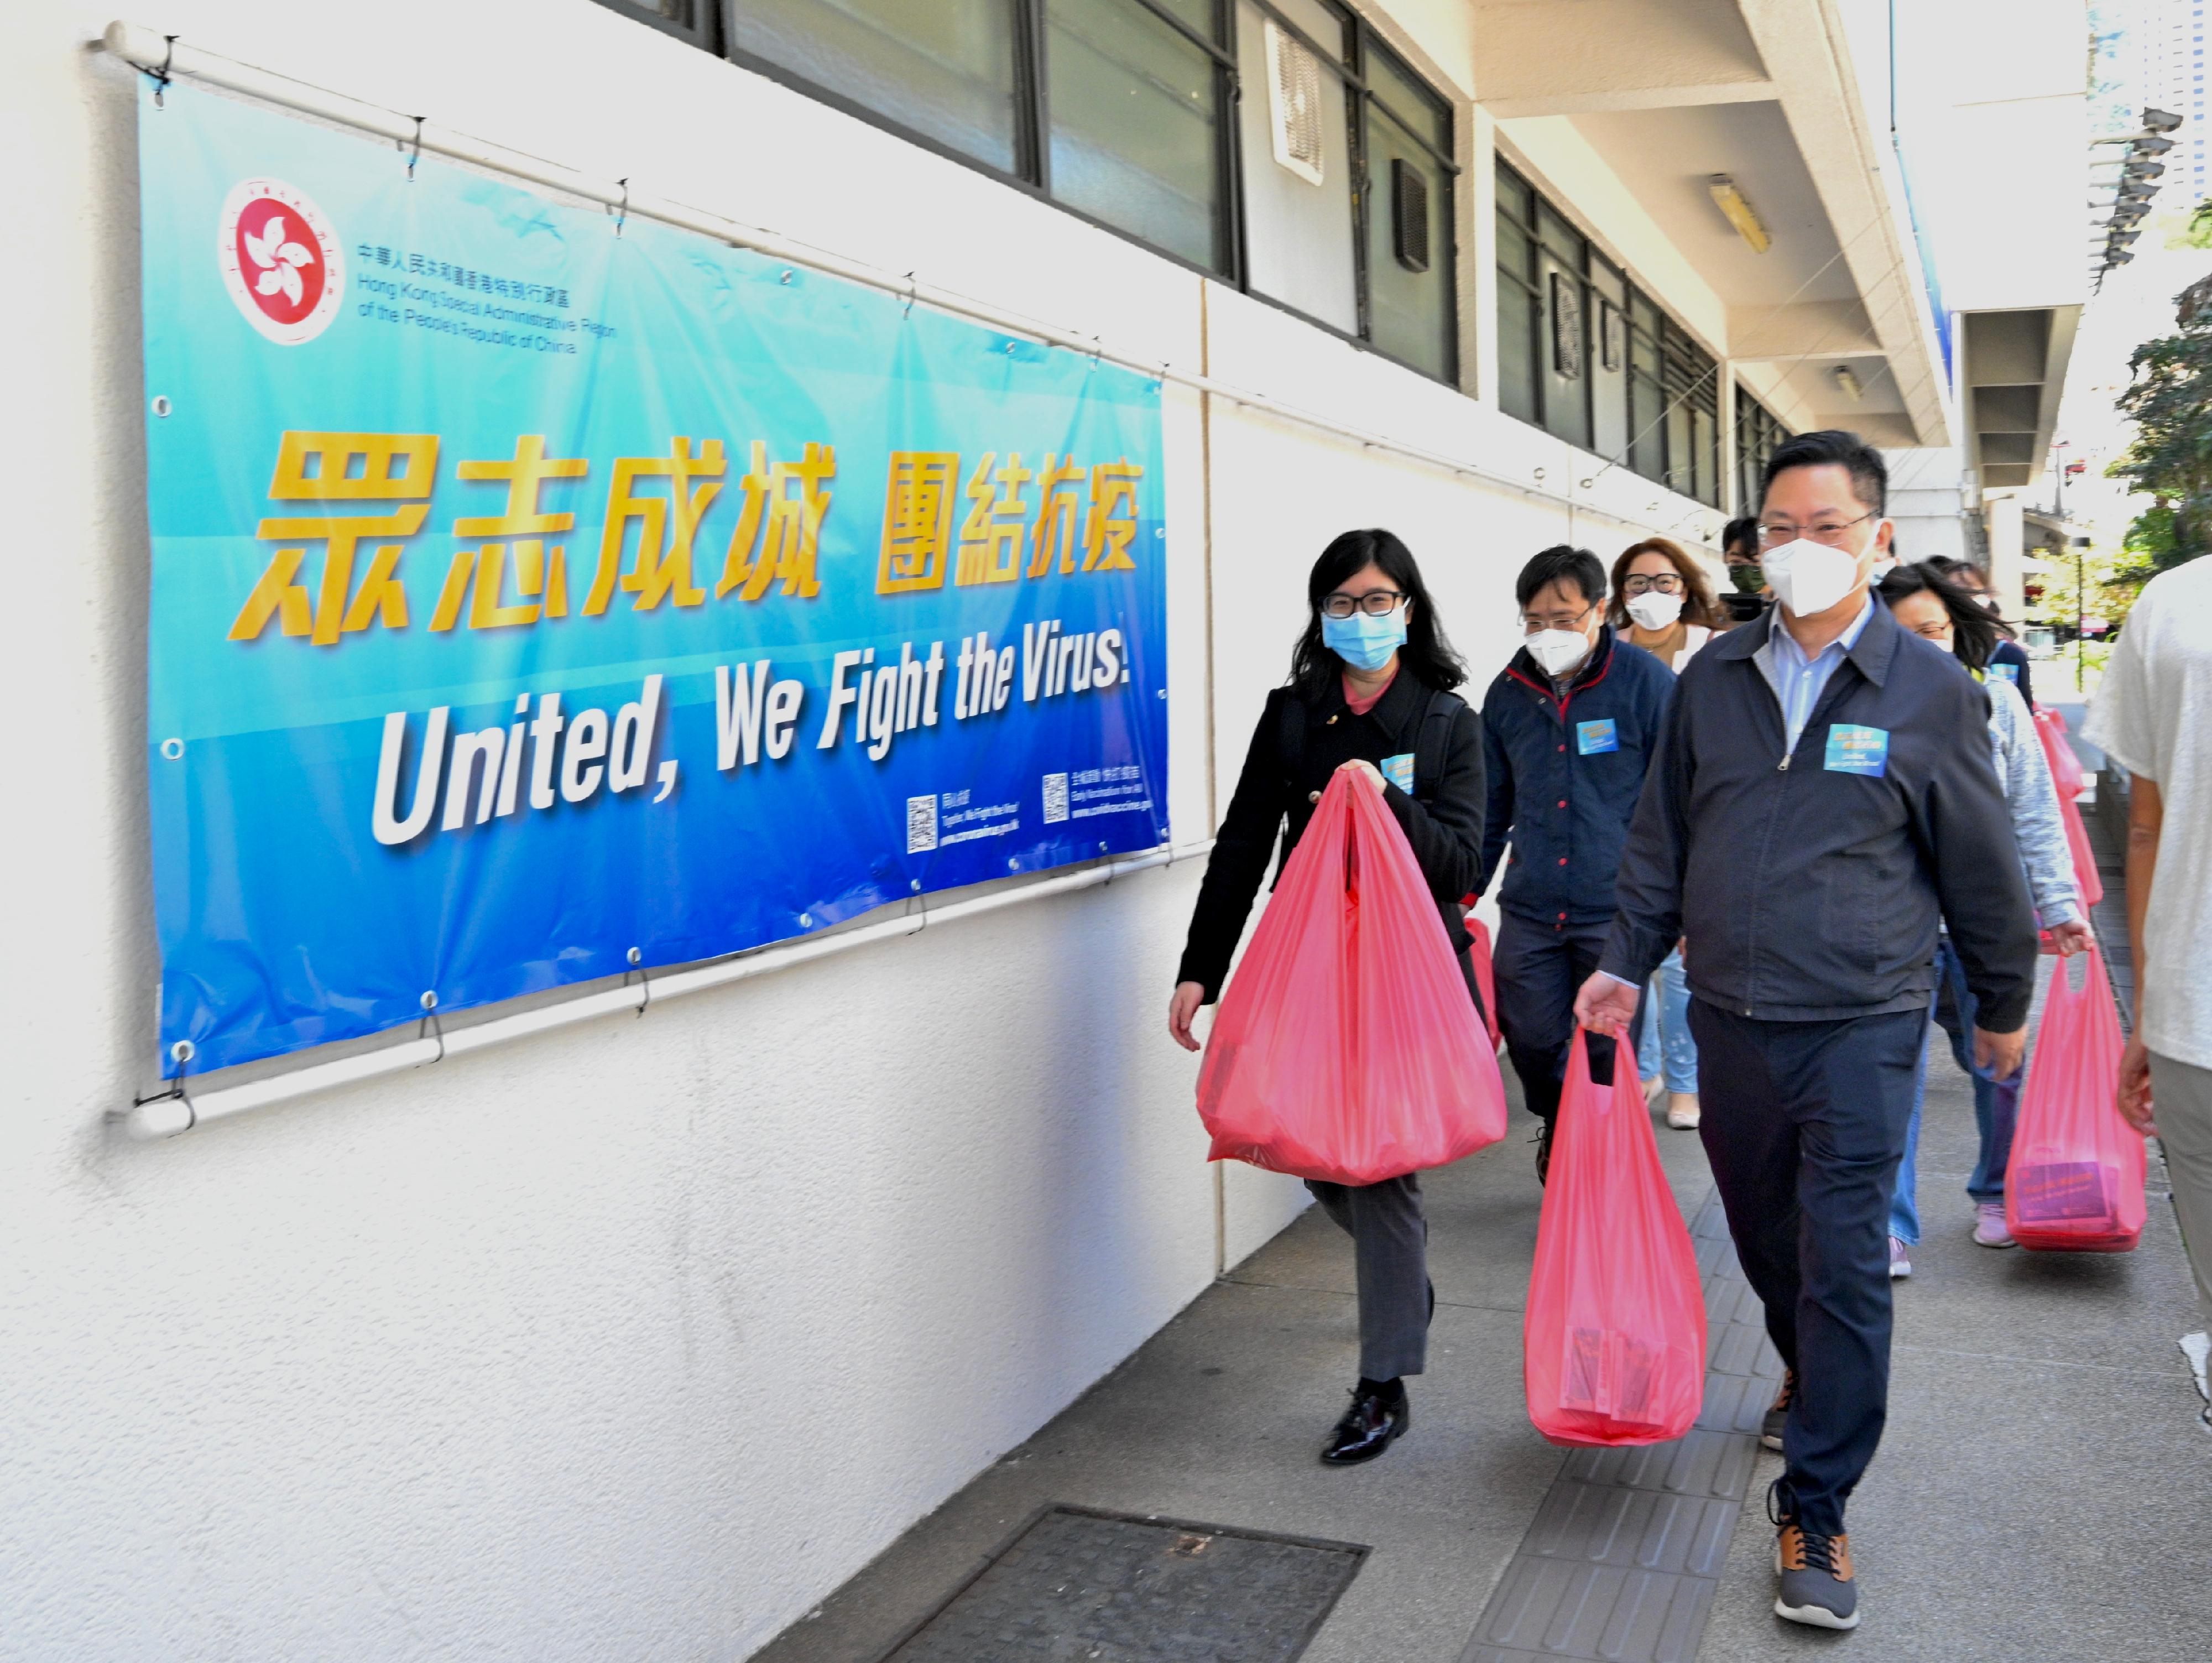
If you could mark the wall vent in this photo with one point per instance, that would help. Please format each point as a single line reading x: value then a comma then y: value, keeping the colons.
x: 1294, y: 104
x: 1409, y: 214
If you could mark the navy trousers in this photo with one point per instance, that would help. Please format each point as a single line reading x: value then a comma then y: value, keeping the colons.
x: 1539, y: 968
x: 1804, y: 1124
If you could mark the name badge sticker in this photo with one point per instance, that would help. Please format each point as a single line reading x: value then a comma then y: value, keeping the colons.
x: 1399, y: 771
x: 1594, y: 738
x: 1855, y: 749
x: 2004, y: 672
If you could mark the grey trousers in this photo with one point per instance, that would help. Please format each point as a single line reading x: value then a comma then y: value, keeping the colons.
x: 2181, y: 1099
x: 1391, y: 1249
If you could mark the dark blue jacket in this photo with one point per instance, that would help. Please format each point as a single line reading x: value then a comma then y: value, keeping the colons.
x: 1563, y: 778
x: 1809, y: 881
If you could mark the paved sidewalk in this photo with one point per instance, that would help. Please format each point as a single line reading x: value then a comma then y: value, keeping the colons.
x: 2041, y: 1492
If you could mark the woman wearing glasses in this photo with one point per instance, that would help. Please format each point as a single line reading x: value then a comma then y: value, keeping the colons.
x: 1369, y: 693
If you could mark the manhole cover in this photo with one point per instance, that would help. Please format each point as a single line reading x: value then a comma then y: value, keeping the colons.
x: 1080, y: 1585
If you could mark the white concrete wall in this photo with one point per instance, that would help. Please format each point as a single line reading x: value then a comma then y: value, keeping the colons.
x: 634, y: 1341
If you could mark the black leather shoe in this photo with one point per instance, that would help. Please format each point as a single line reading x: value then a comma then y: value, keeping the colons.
x: 1544, y: 1152
x: 1368, y: 1428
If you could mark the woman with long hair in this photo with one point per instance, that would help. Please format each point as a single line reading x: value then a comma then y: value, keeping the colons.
x: 1926, y: 600
x: 1660, y: 603
x: 1369, y: 692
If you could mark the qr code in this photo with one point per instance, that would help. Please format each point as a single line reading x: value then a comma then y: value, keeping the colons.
x: 1055, y: 798
x: 921, y: 824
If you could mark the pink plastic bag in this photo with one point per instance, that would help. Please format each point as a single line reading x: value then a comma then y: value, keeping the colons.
x: 1613, y: 1341
x: 2065, y: 766
x: 1485, y: 979
x: 1346, y: 1047
x: 2076, y: 1179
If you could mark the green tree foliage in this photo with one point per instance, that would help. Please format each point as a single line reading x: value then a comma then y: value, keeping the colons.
x: 2170, y: 401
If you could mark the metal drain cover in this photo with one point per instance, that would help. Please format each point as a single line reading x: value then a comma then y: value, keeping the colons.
x: 1102, y: 1587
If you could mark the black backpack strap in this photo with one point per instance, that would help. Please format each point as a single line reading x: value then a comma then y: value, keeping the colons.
x: 1291, y: 736
x: 1432, y: 742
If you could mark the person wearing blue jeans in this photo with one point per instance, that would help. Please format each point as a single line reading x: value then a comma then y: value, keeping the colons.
x: 1665, y: 1045
x: 1997, y: 1107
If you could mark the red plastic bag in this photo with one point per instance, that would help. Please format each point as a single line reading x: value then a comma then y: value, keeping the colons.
x: 2076, y: 1179
x: 1613, y: 1342
x: 1485, y: 980
x: 1346, y: 1047
x: 2085, y: 859
x: 2065, y: 766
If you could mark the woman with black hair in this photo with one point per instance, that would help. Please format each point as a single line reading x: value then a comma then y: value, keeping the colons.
x: 1371, y: 693
x: 1928, y: 603
x: 2008, y: 661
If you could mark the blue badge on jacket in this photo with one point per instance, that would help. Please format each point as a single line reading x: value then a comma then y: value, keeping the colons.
x: 1399, y: 771
x: 1853, y: 749
x: 2004, y: 672
x: 1593, y: 737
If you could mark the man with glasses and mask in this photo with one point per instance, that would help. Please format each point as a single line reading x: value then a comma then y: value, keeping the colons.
x: 1569, y: 728
x: 1824, y: 795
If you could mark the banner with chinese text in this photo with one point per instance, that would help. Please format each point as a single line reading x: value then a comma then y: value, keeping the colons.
x: 538, y: 595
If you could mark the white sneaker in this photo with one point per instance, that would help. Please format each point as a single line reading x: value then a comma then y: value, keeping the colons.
x: 1682, y: 1110
x: 1900, y: 1260
x: 2198, y: 1348
x: 1990, y: 1228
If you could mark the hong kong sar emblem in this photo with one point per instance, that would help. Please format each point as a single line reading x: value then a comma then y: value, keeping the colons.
x: 281, y: 260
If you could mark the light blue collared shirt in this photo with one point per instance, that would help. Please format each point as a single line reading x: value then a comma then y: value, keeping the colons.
x: 1797, y: 681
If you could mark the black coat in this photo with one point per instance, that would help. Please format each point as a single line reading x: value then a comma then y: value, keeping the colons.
x: 1809, y: 892
x: 1444, y: 825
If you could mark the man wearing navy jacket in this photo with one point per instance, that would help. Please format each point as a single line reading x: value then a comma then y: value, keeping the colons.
x: 1823, y: 796
x: 1569, y: 728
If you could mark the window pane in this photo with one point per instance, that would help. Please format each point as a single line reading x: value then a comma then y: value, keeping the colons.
x: 1606, y: 278
x: 1407, y: 99
x: 1517, y: 351
x: 945, y: 69
x: 1199, y: 13
x: 1409, y: 250
x: 1647, y: 437
x: 1298, y: 227
x: 1514, y: 196
x: 1562, y: 239
x: 1133, y: 124
x: 1704, y: 457
x: 1515, y: 250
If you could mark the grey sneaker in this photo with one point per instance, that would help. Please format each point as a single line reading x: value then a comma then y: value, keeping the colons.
x: 1817, y: 1586
x: 1990, y: 1230
x: 1777, y: 1413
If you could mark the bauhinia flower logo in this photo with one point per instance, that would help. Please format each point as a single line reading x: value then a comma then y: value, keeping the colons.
x: 281, y: 261
x: 279, y: 258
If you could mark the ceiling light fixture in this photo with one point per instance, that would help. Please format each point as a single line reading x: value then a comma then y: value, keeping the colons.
x: 1847, y: 383
x: 1733, y: 202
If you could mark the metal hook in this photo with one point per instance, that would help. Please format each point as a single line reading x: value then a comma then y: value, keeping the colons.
x: 181, y: 1053
x: 162, y: 76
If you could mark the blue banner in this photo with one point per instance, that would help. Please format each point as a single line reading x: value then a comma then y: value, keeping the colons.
x: 540, y: 594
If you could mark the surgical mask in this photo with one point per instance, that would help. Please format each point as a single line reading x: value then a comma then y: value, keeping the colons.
x: 1559, y: 650
x: 1655, y: 611
x: 1365, y: 642
x: 1810, y: 577
x: 1882, y: 567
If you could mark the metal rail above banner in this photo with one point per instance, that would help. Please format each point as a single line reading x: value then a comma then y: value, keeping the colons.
x: 170, y: 56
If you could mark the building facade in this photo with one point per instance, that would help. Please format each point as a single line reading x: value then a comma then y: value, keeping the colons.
x: 635, y: 1338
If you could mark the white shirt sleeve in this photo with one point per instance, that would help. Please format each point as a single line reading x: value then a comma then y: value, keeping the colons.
x: 2120, y: 718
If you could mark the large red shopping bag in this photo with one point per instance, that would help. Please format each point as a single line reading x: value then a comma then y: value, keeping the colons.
x: 1613, y: 1341
x: 1485, y: 979
x: 2076, y: 1179
x: 1346, y: 1047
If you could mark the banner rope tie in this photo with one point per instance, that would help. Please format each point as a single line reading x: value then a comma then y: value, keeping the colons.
x: 430, y: 1025
x: 621, y: 215
x: 183, y: 1051
x: 160, y: 77
x: 416, y: 155
x: 644, y: 979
